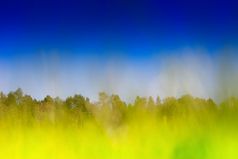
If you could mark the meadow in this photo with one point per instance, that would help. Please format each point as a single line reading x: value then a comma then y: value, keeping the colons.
x: 76, y: 128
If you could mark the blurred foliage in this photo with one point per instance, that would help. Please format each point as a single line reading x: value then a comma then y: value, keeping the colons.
x: 179, y: 128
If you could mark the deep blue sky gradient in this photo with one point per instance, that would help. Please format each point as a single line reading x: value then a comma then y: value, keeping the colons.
x: 133, y: 28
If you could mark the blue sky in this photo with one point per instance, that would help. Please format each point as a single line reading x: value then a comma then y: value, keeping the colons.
x: 39, y: 37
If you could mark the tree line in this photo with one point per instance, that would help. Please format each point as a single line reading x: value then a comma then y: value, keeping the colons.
x: 110, y: 111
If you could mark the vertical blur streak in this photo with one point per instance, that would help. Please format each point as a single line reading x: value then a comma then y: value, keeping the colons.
x: 51, y: 66
x: 188, y: 71
x: 227, y: 74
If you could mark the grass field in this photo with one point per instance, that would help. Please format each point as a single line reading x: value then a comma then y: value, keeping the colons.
x: 75, y: 128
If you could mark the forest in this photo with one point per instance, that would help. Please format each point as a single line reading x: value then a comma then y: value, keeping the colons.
x: 180, y: 128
